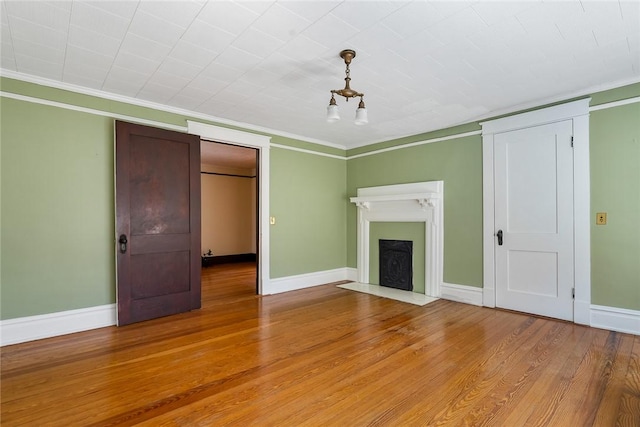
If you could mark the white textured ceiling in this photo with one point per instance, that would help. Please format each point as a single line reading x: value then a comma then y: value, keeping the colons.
x: 423, y: 65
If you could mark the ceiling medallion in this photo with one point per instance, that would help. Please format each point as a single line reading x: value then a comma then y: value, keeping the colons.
x: 332, y: 110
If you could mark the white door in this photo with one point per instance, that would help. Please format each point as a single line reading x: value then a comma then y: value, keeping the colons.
x: 533, y: 172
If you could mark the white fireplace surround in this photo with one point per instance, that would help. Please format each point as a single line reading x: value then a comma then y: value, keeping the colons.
x: 416, y: 202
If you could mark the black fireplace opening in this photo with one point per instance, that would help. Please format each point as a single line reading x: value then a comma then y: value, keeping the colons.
x: 396, y: 264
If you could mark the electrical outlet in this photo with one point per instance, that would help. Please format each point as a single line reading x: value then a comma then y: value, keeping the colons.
x: 272, y: 220
x: 601, y: 218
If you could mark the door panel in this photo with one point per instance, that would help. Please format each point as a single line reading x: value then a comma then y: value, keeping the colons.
x: 531, y: 184
x: 534, y: 273
x: 160, y: 173
x: 534, y: 209
x: 158, y: 211
x: 171, y: 268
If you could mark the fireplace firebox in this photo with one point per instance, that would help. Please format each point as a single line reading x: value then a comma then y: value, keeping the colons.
x: 396, y: 264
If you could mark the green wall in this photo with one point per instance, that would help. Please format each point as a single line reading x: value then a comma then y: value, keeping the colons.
x: 457, y: 162
x: 56, y: 210
x: 413, y: 231
x: 56, y: 200
x: 615, y: 189
x: 307, y: 200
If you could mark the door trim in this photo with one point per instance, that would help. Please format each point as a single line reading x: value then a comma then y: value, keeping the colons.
x: 262, y: 144
x: 578, y: 112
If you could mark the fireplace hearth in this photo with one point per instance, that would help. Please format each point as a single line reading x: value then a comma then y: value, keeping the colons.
x: 396, y: 264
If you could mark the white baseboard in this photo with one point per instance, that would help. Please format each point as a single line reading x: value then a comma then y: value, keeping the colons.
x: 615, y: 319
x: 352, y: 274
x: 301, y: 281
x: 23, y: 329
x: 461, y: 293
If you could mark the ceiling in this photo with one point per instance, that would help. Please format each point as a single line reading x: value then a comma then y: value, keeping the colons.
x: 270, y: 66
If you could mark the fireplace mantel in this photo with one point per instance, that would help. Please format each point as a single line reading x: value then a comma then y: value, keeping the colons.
x: 415, y: 202
x: 425, y: 200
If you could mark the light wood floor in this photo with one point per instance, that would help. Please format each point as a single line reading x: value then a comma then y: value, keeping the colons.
x: 325, y: 356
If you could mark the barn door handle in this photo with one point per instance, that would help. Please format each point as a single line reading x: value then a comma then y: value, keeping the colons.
x: 499, y: 234
x: 123, y: 243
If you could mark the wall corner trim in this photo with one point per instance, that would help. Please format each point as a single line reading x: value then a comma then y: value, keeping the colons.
x: 461, y: 293
x: 31, y: 328
x: 352, y: 274
x: 615, y: 319
x: 308, y: 280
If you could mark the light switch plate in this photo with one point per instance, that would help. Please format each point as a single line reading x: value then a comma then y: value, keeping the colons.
x: 601, y: 218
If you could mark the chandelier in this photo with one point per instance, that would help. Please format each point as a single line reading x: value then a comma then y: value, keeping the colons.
x: 332, y: 110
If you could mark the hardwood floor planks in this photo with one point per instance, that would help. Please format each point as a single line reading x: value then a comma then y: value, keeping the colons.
x: 629, y: 409
x: 553, y: 382
x: 444, y: 368
x: 588, y: 384
x: 516, y: 379
x: 483, y: 379
x: 613, y: 376
x: 325, y: 356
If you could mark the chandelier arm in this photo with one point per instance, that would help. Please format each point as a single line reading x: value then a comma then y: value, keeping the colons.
x: 347, y: 93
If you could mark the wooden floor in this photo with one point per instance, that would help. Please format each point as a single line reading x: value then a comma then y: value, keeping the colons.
x: 325, y: 356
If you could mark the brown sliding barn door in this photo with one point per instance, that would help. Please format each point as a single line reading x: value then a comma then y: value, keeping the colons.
x: 158, y: 222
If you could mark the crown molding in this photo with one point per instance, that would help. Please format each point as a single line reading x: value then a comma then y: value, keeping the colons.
x: 614, y: 104
x: 543, y: 103
x: 415, y: 144
x: 160, y: 107
x: 303, y: 150
x: 123, y: 117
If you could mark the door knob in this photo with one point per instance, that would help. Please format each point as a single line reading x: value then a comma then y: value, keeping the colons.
x: 123, y: 243
x: 499, y: 234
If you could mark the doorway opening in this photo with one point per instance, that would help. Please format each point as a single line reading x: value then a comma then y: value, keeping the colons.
x: 229, y: 208
x: 261, y: 143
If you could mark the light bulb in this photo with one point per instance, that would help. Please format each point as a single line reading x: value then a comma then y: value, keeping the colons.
x: 333, y: 114
x: 361, y: 116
